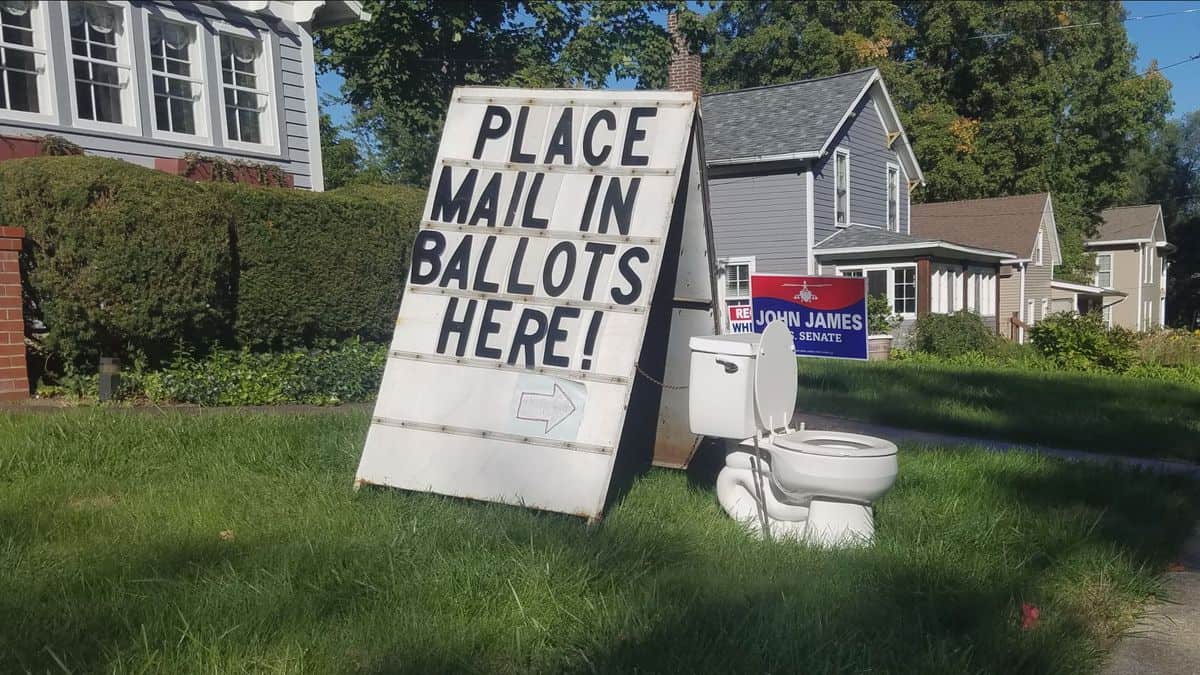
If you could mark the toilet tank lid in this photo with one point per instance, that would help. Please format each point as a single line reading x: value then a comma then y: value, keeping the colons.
x: 738, y: 344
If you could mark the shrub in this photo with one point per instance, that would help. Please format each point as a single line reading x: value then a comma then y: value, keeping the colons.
x: 123, y: 260
x: 1171, y: 348
x: 342, y: 373
x: 1084, y: 342
x: 880, y: 317
x: 320, y: 266
x: 140, y: 264
x: 949, y: 335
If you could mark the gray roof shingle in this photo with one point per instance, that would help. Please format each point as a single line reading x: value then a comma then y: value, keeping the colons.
x: 1128, y: 222
x: 861, y: 235
x: 778, y: 119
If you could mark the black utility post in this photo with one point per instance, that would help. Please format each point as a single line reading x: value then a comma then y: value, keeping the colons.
x: 110, y: 377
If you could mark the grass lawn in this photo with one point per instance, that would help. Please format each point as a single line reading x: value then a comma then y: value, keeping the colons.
x: 1098, y: 413
x: 169, y: 543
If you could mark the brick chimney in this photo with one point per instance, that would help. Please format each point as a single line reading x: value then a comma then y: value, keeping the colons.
x: 684, y: 72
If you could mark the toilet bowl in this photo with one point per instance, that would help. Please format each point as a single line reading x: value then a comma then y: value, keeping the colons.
x: 816, y: 486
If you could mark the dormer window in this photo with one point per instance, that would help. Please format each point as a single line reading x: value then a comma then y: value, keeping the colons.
x: 841, y: 182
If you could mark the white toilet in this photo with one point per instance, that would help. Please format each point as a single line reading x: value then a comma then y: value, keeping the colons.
x: 817, y: 486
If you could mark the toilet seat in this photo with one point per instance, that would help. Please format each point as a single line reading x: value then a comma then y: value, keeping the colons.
x: 775, y: 378
x: 835, y: 444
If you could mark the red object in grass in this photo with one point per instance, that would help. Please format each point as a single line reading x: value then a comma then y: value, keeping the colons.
x: 1029, y: 615
x: 1176, y: 566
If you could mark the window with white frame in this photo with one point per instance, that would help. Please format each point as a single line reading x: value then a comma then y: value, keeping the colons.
x: 24, y: 86
x: 176, y: 76
x: 893, y: 198
x: 1045, y: 307
x: 1106, y: 314
x: 1104, y: 270
x: 898, y: 284
x: 841, y: 188
x: 1030, y: 305
x: 1038, y: 249
x: 246, y: 88
x: 904, y: 285
x: 100, y: 63
x: 1147, y: 319
x: 1148, y: 266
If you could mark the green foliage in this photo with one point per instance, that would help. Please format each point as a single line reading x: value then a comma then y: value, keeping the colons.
x: 337, y: 374
x: 1170, y: 348
x: 1084, y: 342
x: 223, y: 170
x: 880, y: 318
x: 135, y: 263
x: 401, y: 67
x: 315, y: 266
x: 949, y: 335
x: 124, y: 260
x: 342, y: 161
x: 1023, y: 110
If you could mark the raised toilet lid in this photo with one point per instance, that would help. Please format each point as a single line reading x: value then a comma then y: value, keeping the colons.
x: 775, y: 377
x: 836, y: 444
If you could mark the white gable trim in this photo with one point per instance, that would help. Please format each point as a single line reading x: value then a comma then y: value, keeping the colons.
x: 891, y: 124
x: 1056, y: 256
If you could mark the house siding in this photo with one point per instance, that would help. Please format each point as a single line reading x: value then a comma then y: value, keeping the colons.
x: 294, y: 153
x: 761, y: 216
x: 866, y: 140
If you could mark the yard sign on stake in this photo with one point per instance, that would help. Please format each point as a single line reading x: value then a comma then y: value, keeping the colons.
x: 551, y: 240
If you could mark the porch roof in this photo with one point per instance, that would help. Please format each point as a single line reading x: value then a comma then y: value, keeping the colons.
x: 1085, y: 289
x: 860, y: 242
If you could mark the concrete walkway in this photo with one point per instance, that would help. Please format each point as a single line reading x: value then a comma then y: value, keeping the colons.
x: 817, y: 421
x: 1166, y: 641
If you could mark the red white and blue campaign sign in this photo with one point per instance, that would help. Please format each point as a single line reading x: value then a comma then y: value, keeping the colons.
x: 827, y: 315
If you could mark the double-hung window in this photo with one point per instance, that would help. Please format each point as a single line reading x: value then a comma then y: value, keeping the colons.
x: 841, y: 183
x: 1104, y: 270
x: 176, y: 77
x: 100, y: 64
x: 24, y: 87
x: 893, y: 198
x: 246, y: 89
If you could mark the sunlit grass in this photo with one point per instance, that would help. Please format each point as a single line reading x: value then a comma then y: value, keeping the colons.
x: 168, y: 543
x: 1098, y: 413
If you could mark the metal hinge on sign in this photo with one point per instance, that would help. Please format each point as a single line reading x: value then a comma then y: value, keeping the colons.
x: 650, y: 377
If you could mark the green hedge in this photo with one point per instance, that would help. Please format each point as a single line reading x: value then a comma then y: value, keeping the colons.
x: 315, y: 266
x: 122, y: 259
x: 134, y: 262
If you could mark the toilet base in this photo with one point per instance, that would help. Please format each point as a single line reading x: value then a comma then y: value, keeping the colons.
x: 839, y: 524
x: 819, y: 522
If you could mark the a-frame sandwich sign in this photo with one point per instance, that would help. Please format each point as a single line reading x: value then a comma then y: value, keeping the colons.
x: 562, y: 262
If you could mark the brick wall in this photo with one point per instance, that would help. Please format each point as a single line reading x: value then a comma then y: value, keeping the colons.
x: 683, y: 74
x: 14, y: 378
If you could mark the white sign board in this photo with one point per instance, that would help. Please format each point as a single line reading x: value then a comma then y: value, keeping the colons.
x: 527, y: 302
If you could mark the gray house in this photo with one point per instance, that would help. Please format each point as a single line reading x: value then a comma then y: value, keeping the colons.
x: 150, y: 81
x: 814, y: 177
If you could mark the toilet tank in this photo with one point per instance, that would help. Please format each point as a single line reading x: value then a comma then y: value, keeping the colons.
x: 721, y: 385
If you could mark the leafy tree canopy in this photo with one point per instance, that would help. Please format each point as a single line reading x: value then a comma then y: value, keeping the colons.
x: 402, y: 66
x: 995, y: 103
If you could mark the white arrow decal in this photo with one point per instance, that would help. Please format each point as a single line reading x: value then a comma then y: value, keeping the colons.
x: 551, y: 409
